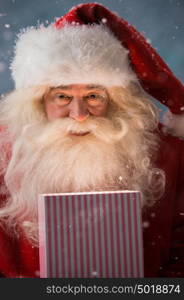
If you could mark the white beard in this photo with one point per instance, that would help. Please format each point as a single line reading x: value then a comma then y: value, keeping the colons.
x: 70, y: 164
x: 83, y: 165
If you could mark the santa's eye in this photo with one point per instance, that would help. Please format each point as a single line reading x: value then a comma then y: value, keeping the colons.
x: 62, y: 99
x: 63, y: 96
x: 93, y: 96
x: 94, y: 99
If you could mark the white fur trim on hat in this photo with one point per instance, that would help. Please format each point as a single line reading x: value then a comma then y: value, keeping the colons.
x: 174, y: 124
x: 73, y: 54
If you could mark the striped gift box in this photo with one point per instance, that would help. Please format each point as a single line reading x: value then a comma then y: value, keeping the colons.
x: 95, y: 234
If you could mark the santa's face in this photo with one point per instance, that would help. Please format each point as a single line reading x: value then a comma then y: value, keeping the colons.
x: 76, y: 101
x: 80, y: 138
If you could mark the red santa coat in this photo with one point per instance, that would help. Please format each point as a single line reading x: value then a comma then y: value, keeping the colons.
x: 163, y: 226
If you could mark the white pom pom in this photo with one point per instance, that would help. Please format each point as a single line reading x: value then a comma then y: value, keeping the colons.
x: 174, y: 124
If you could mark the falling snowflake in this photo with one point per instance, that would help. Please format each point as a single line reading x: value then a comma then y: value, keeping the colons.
x: 94, y: 273
x: 37, y: 273
x: 148, y: 41
x: 7, y: 25
x: 146, y: 224
x: 104, y: 20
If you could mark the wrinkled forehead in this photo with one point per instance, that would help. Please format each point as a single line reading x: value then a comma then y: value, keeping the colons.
x: 79, y: 87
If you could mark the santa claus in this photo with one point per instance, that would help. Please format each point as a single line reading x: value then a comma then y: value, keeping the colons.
x: 81, y: 119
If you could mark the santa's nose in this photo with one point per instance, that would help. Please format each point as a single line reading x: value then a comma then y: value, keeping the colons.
x: 78, y: 110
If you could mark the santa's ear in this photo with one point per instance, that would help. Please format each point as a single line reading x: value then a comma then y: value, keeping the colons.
x: 174, y: 124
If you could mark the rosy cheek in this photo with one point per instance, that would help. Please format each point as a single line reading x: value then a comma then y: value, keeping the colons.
x: 98, y: 111
x: 54, y: 112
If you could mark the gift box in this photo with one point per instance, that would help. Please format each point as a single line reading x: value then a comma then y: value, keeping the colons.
x: 85, y: 235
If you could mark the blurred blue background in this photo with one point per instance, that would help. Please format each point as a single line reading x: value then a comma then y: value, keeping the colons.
x: 160, y: 21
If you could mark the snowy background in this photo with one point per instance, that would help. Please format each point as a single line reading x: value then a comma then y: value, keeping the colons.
x: 161, y: 22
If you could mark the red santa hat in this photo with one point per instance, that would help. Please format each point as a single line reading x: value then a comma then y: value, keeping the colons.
x: 90, y: 44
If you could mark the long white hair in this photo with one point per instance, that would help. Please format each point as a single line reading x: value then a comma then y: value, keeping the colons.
x: 118, y: 153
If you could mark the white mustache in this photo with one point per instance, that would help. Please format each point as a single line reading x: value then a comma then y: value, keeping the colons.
x: 89, y: 125
x: 102, y: 128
